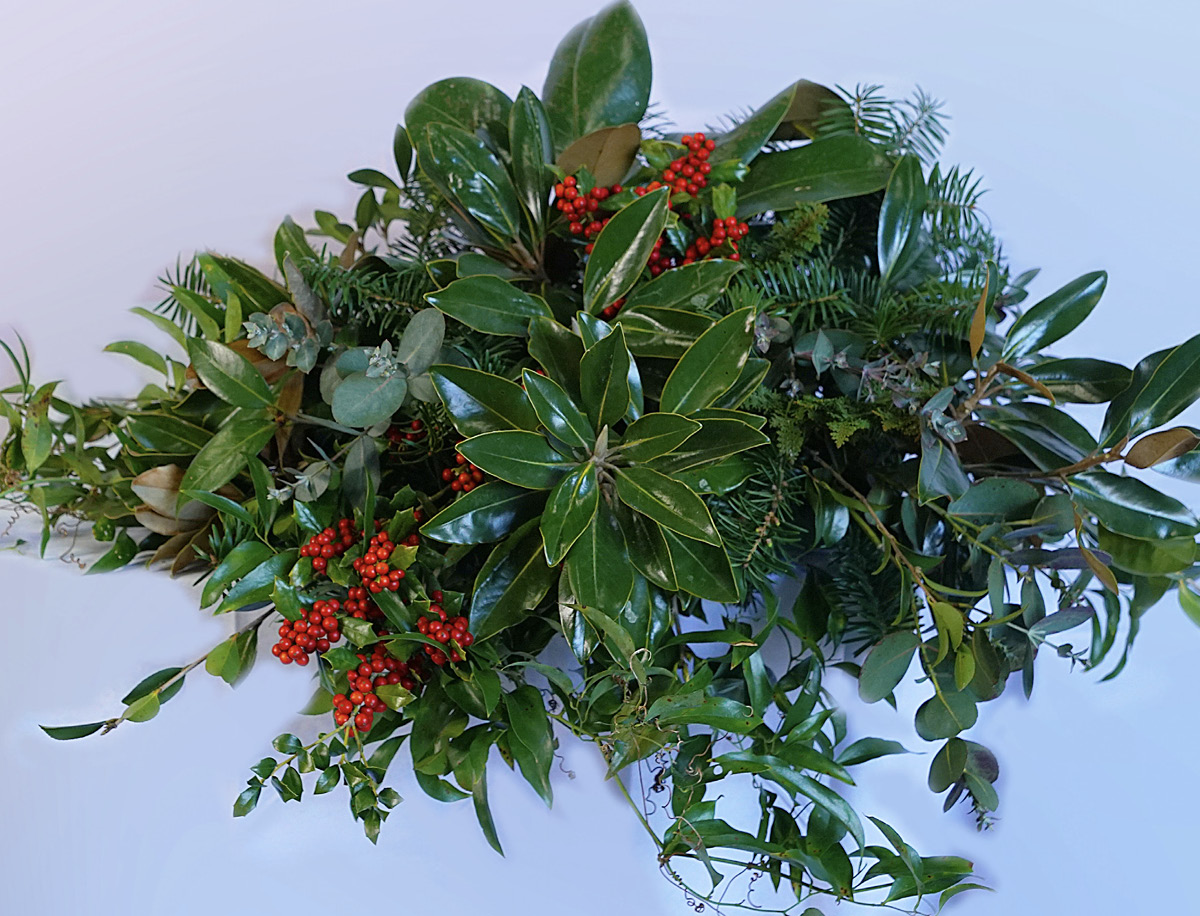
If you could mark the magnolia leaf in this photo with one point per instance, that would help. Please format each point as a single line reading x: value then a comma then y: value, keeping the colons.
x: 607, y: 154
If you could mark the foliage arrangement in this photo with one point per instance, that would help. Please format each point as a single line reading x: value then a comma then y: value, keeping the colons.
x: 528, y: 447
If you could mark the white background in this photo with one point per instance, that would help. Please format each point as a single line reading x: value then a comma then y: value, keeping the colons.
x: 132, y: 132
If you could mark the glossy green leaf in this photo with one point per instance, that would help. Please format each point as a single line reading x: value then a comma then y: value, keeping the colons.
x: 666, y: 332
x: 940, y: 473
x: 558, y: 351
x: 486, y: 514
x: 490, y: 305
x: 1082, y: 380
x: 1164, y: 384
x: 598, y: 565
x: 823, y: 170
x: 1057, y: 315
x: 37, y: 431
x: 668, y: 502
x: 361, y: 401
x: 480, y: 402
x: 228, y: 374
x: 656, y: 434
x: 460, y: 101
x: 690, y: 287
x: 532, y: 150
x: 996, y: 499
x: 695, y: 708
x: 702, y: 569
x: 231, y: 277
x: 710, y: 365
x: 470, y: 176
x: 557, y: 412
x: 604, y: 379
x: 1130, y: 507
x: 569, y: 511
x: 259, y: 583
x: 518, y: 457
x: 1160, y: 557
x: 226, y: 453
x: 716, y: 440
x: 1051, y: 438
x: 530, y: 738
x: 139, y: 351
x: 746, y: 139
x: 599, y: 75
x: 239, y: 561
x: 900, y: 218
x: 886, y: 665
x: 167, y: 435
x: 647, y: 547
x: 71, y: 732
x: 510, y: 584
x: 865, y: 749
x: 622, y: 249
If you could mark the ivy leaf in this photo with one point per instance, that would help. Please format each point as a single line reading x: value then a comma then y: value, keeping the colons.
x: 487, y: 513
x: 557, y: 412
x: 825, y: 169
x: 490, y: 305
x: 670, y: 503
x: 622, y: 249
x: 569, y: 511
x: 599, y: 75
x: 228, y: 374
x: 226, y: 454
x: 480, y: 402
x: 517, y: 457
x: 710, y: 365
x: 604, y: 379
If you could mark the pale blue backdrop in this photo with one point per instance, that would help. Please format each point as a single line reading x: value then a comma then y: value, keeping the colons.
x: 132, y: 131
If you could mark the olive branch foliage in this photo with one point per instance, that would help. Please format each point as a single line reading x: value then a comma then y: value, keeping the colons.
x: 859, y: 403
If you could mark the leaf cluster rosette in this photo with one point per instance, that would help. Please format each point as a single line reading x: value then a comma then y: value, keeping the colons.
x: 667, y: 473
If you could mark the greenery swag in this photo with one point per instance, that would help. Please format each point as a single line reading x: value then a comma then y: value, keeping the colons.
x: 536, y: 437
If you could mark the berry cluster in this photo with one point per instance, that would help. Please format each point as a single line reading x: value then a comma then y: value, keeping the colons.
x: 578, y: 206
x: 329, y: 544
x: 446, y: 630
x: 372, y: 566
x: 687, y: 174
x: 399, y: 435
x: 373, y: 671
x: 462, y: 475
x: 314, y: 632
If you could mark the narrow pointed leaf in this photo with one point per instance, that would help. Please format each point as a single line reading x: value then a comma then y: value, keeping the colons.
x: 670, y: 503
x: 710, y: 365
x: 557, y: 412
x: 480, y: 402
x: 622, y: 249
x: 517, y: 457
x: 490, y: 305
x: 569, y: 511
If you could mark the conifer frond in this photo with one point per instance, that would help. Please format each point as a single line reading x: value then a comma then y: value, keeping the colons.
x: 187, y: 276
